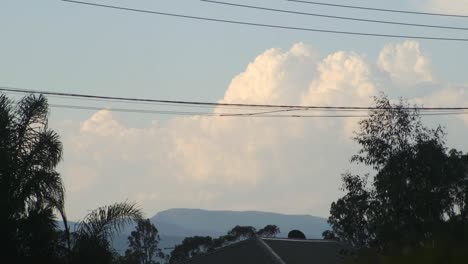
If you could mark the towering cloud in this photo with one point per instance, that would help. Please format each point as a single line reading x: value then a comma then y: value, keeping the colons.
x: 286, y: 165
x: 405, y: 63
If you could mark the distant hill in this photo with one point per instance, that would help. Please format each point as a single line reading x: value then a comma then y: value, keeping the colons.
x: 176, y: 224
x: 189, y: 222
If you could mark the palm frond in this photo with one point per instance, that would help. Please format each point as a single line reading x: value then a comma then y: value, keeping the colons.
x: 43, y: 185
x: 6, y: 117
x: 30, y: 110
x: 30, y: 187
x: 106, y: 220
x: 44, y: 150
x: 6, y: 142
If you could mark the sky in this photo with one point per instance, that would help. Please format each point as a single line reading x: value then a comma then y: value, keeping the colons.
x: 281, y: 165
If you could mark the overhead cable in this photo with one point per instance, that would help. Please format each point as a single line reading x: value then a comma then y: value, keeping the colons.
x: 217, y: 104
x: 379, y: 9
x: 237, y: 22
x: 214, y: 114
x: 333, y: 17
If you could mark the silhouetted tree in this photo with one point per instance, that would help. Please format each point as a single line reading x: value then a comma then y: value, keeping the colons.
x: 30, y: 188
x: 191, y: 247
x: 242, y: 232
x: 269, y: 231
x: 329, y: 235
x: 127, y: 259
x: 296, y: 234
x: 92, y: 240
x: 418, y: 192
x: 349, y: 215
x: 143, y: 243
x: 198, y: 245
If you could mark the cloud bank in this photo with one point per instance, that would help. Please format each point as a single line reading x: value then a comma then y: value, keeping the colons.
x: 281, y: 165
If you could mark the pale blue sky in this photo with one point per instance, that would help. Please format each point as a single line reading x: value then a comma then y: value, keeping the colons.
x: 58, y: 46
x: 54, y: 45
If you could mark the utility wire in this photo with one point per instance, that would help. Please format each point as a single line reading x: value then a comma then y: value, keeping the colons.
x: 207, y: 114
x: 140, y: 103
x: 287, y: 107
x: 166, y: 112
x: 131, y: 110
x: 267, y: 25
x: 334, y: 17
x: 263, y: 113
x: 182, y: 105
x: 378, y: 9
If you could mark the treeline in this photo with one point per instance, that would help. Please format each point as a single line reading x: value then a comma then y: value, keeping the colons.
x: 199, y: 245
x: 414, y: 209
x: 412, y: 206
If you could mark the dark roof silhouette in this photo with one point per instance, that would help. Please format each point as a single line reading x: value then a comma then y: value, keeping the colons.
x: 276, y: 251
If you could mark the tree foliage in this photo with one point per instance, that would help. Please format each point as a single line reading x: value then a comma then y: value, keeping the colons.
x: 104, y: 221
x: 191, y: 247
x: 199, y: 245
x: 32, y: 193
x: 92, y: 239
x: 143, y: 243
x: 30, y: 188
x: 419, y: 190
x: 242, y: 232
x: 296, y: 234
x: 269, y: 231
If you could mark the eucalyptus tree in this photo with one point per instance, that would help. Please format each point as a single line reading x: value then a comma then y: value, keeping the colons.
x: 143, y: 244
x: 418, y: 194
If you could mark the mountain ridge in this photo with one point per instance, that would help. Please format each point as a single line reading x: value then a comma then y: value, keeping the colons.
x: 218, y: 222
x: 175, y: 224
x: 233, y: 211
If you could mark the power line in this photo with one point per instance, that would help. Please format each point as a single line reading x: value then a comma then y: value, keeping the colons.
x: 378, y: 9
x: 207, y: 114
x: 182, y: 105
x: 139, y: 100
x: 129, y: 102
x: 267, y: 25
x: 165, y: 112
x: 178, y: 102
x: 131, y: 110
x: 334, y: 17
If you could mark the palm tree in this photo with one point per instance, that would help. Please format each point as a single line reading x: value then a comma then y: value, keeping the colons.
x: 29, y: 183
x: 92, y: 239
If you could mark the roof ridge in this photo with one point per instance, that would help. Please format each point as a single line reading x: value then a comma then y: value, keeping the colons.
x: 216, y: 250
x: 276, y: 258
x: 300, y: 240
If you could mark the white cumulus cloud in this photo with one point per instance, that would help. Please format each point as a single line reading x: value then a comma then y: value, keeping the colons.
x: 405, y: 63
x: 290, y: 165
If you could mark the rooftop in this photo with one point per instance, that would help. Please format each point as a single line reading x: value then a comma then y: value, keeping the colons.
x: 277, y: 251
